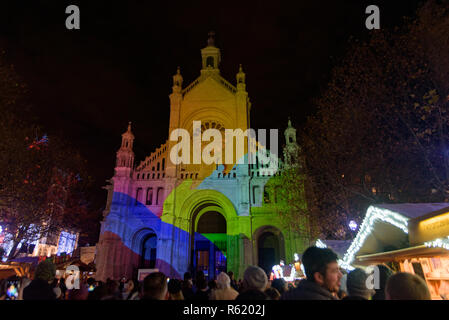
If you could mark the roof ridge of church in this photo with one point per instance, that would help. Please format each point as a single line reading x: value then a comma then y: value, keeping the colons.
x: 217, y: 77
x: 157, y: 153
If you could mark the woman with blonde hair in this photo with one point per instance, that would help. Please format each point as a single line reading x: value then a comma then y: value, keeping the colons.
x: 224, y: 290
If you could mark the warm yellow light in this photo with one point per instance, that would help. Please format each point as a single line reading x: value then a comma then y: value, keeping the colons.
x: 437, y: 221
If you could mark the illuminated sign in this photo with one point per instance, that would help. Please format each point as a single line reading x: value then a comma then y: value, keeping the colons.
x: 430, y: 229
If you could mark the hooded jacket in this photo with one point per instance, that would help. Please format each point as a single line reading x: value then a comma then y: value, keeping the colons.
x: 308, y: 290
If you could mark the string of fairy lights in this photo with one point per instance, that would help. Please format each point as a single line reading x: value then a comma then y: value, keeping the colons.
x: 438, y: 243
x: 374, y: 214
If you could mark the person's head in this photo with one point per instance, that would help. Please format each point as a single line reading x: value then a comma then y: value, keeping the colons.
x: 200, y: 276
x: 187, y: 276
x: 174, y: 289
x: 356, y: 284
x: 58, y: 292
x: 406, y: 286
x: 129, y: 286
x: 112, y: 286
x: 46, y: 271
x: 321, y: 267
x: 223, y: 281
x: 201, y: 283
x: 231, y: 275
x: 155, y: 286
x: 212, y: 284
x: 255, y: 278
x: 280, y: 285
x: 384, y: 274
x: 273, y: 293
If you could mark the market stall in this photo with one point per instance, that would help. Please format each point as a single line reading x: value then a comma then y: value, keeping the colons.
x: 409, y: 238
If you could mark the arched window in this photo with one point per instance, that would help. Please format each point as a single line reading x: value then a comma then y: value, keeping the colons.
x: 266, y: 196
x: 138, y: 192
x: 159, y: 196
x: 158, y: 166
x: 163, y: 164
x: 276, y: 194
x: 255, y: 193
x: 210, y: 62
x: 149, y: 196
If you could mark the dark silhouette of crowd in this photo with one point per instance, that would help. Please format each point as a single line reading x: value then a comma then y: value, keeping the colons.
x: 323, y: 282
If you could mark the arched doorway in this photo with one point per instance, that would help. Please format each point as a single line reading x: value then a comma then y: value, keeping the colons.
x: 144, y: 244
x: 268, y: 251
x: 148, y: 251
x: 209, y: 243
x: 270, y: 247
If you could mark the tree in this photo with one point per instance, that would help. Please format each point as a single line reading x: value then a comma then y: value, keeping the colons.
x: 381, y: 128
x: 38, y: 176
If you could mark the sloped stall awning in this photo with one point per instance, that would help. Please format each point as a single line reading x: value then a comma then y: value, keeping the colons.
x: 385, y: 233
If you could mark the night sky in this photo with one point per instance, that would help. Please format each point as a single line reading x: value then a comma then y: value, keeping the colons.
x: 86, y: 84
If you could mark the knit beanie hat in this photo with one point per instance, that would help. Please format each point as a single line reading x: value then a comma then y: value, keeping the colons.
x: 255, y: 277
x: 356, y: 284
x: 46, y: 270
x: 223, y: 281
x: 58, y: 292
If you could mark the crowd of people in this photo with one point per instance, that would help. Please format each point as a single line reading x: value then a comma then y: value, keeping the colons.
x: 324, y: 281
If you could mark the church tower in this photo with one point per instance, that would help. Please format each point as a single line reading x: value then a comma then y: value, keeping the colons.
x: 124, y: 166
x: 292, y: 149
x: 211, y: 57
x: 211, y: 99
x: 125, y: 155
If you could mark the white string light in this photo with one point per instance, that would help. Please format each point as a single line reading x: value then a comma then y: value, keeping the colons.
x: 341, y: 263
x: 440, y: 243
x: 372, y: 215
x: 320, y: 244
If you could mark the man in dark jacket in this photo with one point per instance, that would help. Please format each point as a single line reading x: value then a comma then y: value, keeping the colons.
x: 40, y: 288
x: 323, y: 276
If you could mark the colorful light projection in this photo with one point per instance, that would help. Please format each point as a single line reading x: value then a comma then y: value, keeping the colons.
x: 67, y: 243
x: 142, y: 217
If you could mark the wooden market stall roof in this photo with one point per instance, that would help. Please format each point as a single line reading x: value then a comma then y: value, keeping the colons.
x: 421, y: 251
x: 386, y: 229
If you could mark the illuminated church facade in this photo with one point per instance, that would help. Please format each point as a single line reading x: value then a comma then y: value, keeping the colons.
x: 191, y: 217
